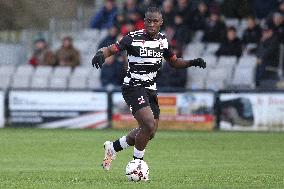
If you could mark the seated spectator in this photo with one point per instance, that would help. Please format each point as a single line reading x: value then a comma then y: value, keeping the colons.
x: 111, y: 38
x: 67, y: 55
x: 214, y: 29
x: 168, y: 13
x: 136, y: 18
x: 232, y: 46
x: 113, y: 71
x: 281, y: 7
x: 127, y: 27
x: 182, y: 35
x: 184, y: 9
x: 171, y: 77
x: 199, y: 17
x: 277, y: 24
x: 42, y: 55
x: 252, y: 33
x: 262, y: 8
x: 267, y: 54
x: 104, y: 19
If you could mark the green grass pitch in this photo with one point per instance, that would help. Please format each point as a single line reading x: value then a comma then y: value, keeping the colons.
x: 51, y: 159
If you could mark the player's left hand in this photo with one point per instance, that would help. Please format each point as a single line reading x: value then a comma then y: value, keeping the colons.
x: 98, y: 60
x: 199, y: 62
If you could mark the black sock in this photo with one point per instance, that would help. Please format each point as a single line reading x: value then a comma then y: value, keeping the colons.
x: 116, y: 146
x: 137, y: 158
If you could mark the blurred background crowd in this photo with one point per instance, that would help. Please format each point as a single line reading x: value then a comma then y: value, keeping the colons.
x: 241, y: 40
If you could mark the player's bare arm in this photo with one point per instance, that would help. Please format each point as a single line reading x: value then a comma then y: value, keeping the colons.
x: 180, y: 63
x: 102, y: 54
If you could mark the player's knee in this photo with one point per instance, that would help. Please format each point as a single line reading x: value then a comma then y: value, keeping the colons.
x: 150, y: 126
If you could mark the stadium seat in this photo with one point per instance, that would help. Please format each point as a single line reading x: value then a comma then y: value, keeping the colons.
x: 197, y: 36
x: 4, y: 82
x: 211, y: 61
x: 215, y: 84
x: 232, y: 22
x: 39, y: 82
x: 94, y: 81
x: 58, y: 82
x: 244, y: 78
x: 7, y: 70
x: 61, y: 71
x: 196, y: 78
x: 78, y: 82
x: 43, y: 71
x: 81, y: 71
x: 193, y: 50
x: 24, y: 70
x: 211, y: 48
x: 247, y: 62
x: 21, y: 82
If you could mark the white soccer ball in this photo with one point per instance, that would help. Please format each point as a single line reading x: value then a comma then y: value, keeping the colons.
x: 137, y: 170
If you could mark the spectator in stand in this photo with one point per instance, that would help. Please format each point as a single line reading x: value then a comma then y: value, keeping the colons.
x: 170, y: 77
x: 67, y: 55
x: 199, y: 17
x: 168, y: 13
x: 236, y: 8
x: 277, y: 24
x: 127, y: 27
x: 281, y: 7
x: 113, y: 71
x: 184, y: 8
x: 214, y: 29
x: 267, y: 54
x: 252, y: 33
x: 129, y: 7
x: 182, y: 35
x: 136, y: 18
x: 232, y: 46
x: 111, y: 38
x: 262, y: 8
x: 105, y: 18
x: 42, y: 55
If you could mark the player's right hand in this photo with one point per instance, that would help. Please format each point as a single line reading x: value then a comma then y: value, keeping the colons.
x: 98, y: 60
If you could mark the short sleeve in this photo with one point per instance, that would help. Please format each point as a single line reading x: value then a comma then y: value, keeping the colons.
x: 168, y: 52
x: 124, y: 43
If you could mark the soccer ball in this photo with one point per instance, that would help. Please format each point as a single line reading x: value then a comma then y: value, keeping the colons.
x: 137, y: 170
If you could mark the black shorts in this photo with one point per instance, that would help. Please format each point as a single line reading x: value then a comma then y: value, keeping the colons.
x: 140, y: 97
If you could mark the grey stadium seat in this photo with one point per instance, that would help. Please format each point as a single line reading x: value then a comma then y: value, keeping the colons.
x: 61, y: 71
x: 58, y: 83
x: 39, y: 82
x: 94, y: 80
x: 21, y: 81
x: 211, y: 48
x: 43, y: 71
x: 81, y: 71
x: 78, y: 82
x: 4, y: 82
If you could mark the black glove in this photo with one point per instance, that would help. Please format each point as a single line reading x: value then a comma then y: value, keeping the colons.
x: 199, y: 62
x: 98, y: 60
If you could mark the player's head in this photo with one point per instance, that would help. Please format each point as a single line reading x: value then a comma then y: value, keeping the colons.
x: 153, y: 20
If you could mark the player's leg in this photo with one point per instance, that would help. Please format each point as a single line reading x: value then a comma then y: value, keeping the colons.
x: 130, y: 138
x: 148, y: 119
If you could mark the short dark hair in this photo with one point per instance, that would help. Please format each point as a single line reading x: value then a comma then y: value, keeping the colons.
x: 153, y: 10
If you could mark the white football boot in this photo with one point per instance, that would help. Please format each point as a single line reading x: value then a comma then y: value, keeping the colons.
x: 110, y: 155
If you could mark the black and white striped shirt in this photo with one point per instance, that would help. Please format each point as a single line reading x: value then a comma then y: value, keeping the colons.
x: 144, y: 57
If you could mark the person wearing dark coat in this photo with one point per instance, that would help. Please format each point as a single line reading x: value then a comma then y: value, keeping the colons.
x: 252, y: 33
x: 214, y: 29
x: 267, y: 54
x: 232, y: 46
